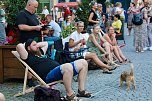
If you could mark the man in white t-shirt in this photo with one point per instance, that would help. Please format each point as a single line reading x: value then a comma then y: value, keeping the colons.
x: 54, y: 25
x: 77, y: 41
x: 45, y: 11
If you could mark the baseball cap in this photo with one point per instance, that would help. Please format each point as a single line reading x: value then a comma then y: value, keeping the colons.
x: 28, y: 43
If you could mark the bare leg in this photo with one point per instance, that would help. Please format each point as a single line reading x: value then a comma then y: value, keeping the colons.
x: 120, y: 53
x: 97, y: 61
x: 117, y: 54
x: 129, y: 31
x: 67, y: 77
x: 82, y: 66
x: 108, y: 50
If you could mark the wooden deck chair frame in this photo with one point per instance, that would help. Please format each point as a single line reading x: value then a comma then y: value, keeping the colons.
x: 28, y: 68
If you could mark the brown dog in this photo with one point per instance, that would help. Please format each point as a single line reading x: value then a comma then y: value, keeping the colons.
x: 128, y: 77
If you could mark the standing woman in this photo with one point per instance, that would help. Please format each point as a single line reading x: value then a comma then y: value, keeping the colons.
x: 140, y: 31
x: 2, y: 26
x: 93, y: 18
x: 130, y: 16
x: 120, y: 10
x: 99, y: 14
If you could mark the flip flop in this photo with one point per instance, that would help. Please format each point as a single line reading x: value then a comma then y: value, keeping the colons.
x: 106, y: 71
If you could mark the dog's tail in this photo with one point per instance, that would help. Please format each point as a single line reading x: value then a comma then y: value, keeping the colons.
x: 132, y: 69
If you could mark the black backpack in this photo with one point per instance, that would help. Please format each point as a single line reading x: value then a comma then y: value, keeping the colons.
x: 137, y: 19
x: 46, y: 94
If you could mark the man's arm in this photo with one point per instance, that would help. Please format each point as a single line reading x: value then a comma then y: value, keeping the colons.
x: 43, y: 46
x: 29, y: 28
x: 21, y: 50
x: 72, y: 43
x: 21, y: 21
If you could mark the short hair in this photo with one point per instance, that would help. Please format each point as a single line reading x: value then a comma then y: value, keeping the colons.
x: 31, y: 1
x: 49, y: 15
x: 79, y: 22
x: 117, y: 16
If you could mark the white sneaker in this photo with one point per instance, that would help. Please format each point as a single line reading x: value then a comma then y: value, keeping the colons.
x: 146, y: 48
x: 150, y: 48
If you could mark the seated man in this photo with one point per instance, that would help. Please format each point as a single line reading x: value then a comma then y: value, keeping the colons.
x: 33, y: 54
x: 54, y: 25
x: 76, y: 41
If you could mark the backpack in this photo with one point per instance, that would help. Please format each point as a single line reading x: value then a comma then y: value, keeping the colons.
x: 137, y: 19
x: 46, y: 94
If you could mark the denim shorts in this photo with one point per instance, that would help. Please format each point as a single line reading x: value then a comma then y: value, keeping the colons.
x: 56, y: 74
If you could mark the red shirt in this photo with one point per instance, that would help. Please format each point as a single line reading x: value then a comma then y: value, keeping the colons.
x: 66, y: 13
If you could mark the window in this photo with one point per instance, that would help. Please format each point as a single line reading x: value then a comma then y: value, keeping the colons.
x: 61, y: 1
x: 72, y: 0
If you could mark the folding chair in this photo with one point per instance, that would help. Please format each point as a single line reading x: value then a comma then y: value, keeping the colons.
x: 63, y: 55
x: 29, y: 69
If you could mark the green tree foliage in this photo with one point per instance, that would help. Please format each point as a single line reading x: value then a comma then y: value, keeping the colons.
x: 82, y: 12
x: 68, y: 30
x: 12, y: 9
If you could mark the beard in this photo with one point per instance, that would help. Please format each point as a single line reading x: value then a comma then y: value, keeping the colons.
x: 37, y: 52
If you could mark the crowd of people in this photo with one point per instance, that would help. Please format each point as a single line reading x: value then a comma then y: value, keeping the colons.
x: 101, y: 42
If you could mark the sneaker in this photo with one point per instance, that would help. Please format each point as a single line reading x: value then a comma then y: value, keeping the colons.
x: 150, y: 48
x: 32, y: 83
x: 146, y: 48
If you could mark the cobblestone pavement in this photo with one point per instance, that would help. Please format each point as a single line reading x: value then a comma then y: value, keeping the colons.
x: 105, y: 86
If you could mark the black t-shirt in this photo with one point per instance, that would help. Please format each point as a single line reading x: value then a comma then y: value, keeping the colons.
x: 25, y: 17
x: 41, y: 65
x: 93, y: 18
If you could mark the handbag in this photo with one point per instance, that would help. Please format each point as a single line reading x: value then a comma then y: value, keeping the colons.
x: 46, y: 94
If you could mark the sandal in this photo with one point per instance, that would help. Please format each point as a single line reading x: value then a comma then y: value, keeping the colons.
x: 121, y: 62
x: 127, y: 61
x: 114, y: 64
x: 71, y: 98
x: 113, y: 67
x: 106, y: 71
x: 83, y: 94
